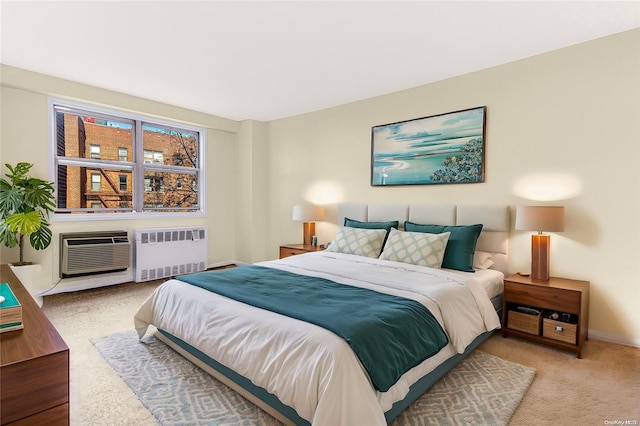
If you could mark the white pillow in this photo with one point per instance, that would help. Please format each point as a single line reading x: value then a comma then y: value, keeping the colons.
x: 360, y: 241
x: 482, y: 260
x: 417, y: 248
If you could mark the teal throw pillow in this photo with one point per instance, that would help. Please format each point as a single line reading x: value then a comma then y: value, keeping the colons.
x: 461, y: 246
x: 352, y: 223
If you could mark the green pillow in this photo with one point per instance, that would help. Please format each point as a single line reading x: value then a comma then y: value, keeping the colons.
x: 461, y: 246
x: 352, y: 223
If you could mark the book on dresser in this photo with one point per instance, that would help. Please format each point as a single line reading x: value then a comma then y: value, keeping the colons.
x: 10, y: 310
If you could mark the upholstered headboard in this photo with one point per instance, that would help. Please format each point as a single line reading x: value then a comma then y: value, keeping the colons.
x: 495, y: 220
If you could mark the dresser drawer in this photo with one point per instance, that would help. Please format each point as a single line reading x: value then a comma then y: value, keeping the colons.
x: 56, y: 416
x: 35, y: 385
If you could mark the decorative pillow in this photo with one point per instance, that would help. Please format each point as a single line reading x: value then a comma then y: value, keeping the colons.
x: 461, y: 245
x: 416, y: 248
x: 363, y: 242
x: 482, y: 260
x: 352, y: 223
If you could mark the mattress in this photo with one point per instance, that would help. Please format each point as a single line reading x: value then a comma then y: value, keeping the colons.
x: 275, y: 351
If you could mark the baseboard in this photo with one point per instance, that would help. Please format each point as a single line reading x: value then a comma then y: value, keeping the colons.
x: 614, y: 338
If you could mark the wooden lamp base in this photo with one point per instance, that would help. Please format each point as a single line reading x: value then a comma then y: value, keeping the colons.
x: 540, y: 245
x: 308, y: 231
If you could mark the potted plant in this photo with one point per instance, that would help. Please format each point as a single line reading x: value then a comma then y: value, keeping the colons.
x: 25, y: 204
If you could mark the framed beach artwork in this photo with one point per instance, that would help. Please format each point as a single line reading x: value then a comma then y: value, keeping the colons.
x: 444, y: 148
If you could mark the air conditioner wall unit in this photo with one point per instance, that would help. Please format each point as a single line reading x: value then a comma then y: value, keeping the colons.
x: 84, y: 253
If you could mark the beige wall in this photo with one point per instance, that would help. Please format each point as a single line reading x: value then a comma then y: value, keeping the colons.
x: 24, y: 137
x: 572, y: 115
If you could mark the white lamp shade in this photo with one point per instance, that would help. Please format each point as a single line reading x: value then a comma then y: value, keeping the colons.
x: 540, y: 218
x: 308, y: 213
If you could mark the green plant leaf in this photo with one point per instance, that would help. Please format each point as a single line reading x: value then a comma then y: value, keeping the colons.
x: 24, y: 223
x: 10, y: 198
x: 41, y: 239
x: 18, y: 172
x: 39, y: 193
x: 8, y: 237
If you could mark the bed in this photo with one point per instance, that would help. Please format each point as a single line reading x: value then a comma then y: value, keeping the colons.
x: 294, y: 367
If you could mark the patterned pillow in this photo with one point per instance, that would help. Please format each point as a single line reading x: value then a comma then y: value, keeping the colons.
x: 461, y: 245
x: 416, y: 248
x: 360, y: 241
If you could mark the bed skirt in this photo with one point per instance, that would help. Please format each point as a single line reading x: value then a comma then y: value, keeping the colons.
x: 287, y: 415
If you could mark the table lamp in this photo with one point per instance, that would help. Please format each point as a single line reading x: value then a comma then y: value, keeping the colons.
x: 540, y: 218
x: 308, y: 215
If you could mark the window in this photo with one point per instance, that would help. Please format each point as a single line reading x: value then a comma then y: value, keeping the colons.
x: 96, y: 182
x: 155, y: 157
x: 96, y: 205
x: 129, y: 164
x: 153, y: 184
x: 95, y: 152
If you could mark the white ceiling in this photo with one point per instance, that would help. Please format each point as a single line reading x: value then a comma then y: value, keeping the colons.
x: 265, y: 60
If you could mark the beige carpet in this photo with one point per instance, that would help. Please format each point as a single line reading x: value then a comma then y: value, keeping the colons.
x: 601, y: 388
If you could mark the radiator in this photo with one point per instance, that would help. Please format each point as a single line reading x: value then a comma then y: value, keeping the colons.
x: 167, y: 252
x: 94, y: 252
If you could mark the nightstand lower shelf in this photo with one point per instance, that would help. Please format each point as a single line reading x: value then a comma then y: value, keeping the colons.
x: 544, y: 340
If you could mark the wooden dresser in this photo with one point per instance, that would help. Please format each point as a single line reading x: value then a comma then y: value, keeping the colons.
x: 34, y: 366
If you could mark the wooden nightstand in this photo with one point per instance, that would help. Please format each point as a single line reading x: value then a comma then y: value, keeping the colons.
x: 559, y: 295
x: 293, y: 249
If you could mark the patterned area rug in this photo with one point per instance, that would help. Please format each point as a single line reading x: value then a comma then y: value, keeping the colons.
x: 481, y: 390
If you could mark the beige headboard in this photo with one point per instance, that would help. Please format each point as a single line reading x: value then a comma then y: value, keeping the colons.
x: 494, y: 218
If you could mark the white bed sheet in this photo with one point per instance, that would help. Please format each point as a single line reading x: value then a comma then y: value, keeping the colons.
x: 305, y: 366
x: 491, y: 281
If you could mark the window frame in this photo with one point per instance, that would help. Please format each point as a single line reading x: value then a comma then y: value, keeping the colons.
x: 126, y: 154
x: 93, y: 151
x: 136, y: 167
x: 95, y: 183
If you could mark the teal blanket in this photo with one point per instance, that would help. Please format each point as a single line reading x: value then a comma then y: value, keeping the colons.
x: 389, y: 334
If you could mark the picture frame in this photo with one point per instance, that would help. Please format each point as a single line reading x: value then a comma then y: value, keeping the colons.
x: 438, y: 149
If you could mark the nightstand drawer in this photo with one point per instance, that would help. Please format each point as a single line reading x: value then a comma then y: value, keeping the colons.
x: 288, y: 251
x: 551, y: 298
x: 294, y: 249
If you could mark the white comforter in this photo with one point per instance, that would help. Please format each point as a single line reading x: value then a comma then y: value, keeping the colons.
x: 305, y: 366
